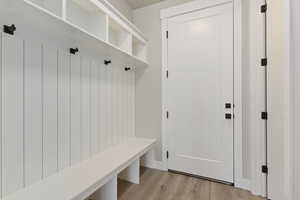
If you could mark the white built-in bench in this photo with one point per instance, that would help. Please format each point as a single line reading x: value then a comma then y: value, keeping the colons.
x: 96, y: 176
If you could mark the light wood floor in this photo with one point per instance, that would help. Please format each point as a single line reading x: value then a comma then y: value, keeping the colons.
x: 158, y: 185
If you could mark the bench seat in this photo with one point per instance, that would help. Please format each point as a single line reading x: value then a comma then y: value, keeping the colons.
x: 80, y: 181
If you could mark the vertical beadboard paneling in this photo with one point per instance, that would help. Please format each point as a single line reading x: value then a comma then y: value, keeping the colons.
x: 63, y: 110
x: 94, y: 108
x: 85, y: 109
x: 50, y: 61
x: 33, y: 113
x: 75, y: 112
x: 132, y: 102
x: 103, y: 109
x: 114, y: 103
x: 57, y: 109
x: 118, y: 105
x: 109, y: 105
x: 128, y: 117
x: 12, y: 114
x: 123, y: 105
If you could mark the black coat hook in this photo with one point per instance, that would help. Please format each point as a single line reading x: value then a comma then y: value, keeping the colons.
x: 127, y: 68
x: 107, y: 62
x: 73, y: 51
x: 9, y: 29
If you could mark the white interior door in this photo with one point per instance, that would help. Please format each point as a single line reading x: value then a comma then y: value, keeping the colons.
x: 200, y: 84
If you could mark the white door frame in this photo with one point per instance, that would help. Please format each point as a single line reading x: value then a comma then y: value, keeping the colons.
x: 239, y: 181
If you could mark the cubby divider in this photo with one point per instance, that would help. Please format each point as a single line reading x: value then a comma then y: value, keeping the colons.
x: 139, y: 49
x: 119, y: 37
x: 85, y: 15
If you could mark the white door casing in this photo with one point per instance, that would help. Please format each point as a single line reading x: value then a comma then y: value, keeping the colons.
x: 200, y: 83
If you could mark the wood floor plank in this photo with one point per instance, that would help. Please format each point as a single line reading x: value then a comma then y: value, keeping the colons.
x: 159, y: 185
x: 220, y: 192
x: 166, y: 188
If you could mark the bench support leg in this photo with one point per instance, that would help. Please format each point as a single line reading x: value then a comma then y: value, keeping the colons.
x: 108, y: 191
x: 131, y: 173
x: 147, y: 159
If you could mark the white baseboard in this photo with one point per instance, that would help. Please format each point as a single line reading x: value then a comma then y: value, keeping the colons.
x: 154, y: 164
x: 244, y: 184
x: 148, y: 161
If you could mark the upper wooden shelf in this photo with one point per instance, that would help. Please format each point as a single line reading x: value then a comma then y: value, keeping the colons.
x: 92, y: 25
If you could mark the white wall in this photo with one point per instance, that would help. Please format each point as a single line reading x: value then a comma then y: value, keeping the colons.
x: 279, y: 101
x: 123, y: 7
x: 148, y: 81
x: 295, y: 42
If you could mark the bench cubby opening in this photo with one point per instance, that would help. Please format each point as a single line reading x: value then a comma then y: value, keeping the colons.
x: 131, y: 173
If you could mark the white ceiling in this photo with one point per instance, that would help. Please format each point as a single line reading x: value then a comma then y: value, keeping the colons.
x: 141, y: 3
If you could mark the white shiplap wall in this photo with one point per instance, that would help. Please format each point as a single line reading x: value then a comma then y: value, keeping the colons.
x: 57, y: 109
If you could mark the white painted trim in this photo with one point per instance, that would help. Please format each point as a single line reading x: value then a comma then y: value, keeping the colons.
x: 293, y: 106
x: 238, y: 141
x: 164, y: 90
x: 258, y: 104
x: 190, y: 7
x: 244, y: 184
x: 289, y: 80
x: 155, y: 165
x: 238, y: 95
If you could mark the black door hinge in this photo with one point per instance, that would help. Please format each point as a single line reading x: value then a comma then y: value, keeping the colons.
x: 167, y: 154
x: 263, y: 8
x: 167, y: 73
x: 264, y: 169
x: 264, y: 62
x: 167, y: 114
x: 167, y: 34
x: 264, y: 115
